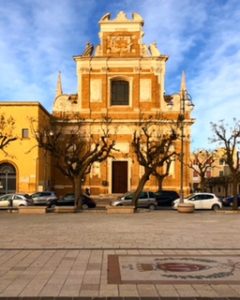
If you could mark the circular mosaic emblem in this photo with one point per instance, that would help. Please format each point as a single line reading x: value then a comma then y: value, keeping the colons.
x: 190, y: 267
x: 180, y: 267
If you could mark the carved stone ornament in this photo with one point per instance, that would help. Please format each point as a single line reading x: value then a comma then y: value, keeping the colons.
x: 121, y: 16
x: 120, y: 44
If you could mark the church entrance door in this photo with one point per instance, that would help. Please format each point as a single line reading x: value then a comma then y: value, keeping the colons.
x: 119, y: 177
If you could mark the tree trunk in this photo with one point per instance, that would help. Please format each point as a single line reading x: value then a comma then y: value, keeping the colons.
x: 77, y: 192
x: 202, y: 184
x: 235, y: 198
x: 160, y: 182
x: 140, y: 187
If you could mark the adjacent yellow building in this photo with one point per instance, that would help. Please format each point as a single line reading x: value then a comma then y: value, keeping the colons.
x: 25, y: 168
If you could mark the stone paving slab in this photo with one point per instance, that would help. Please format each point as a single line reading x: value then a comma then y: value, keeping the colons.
x: 57, y: 256
x: 119, y: 298
x: 157, y: 229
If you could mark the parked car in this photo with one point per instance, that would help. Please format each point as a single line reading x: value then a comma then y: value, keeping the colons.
x: 201, y: 201
x: 228, y: 201
x: 146, y: 200
x: 15, y: 200
x: 166, y: 198
x: 69, y: 200
x: 43, y: 198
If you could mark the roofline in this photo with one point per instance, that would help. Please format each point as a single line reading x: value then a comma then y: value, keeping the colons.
x: 109, y: 58
x: 25, y: 103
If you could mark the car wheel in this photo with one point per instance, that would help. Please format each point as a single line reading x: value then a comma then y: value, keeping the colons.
x: 84, y: 206
x: 152, y: 207
x: 52, y: 205
x: 215, y: 207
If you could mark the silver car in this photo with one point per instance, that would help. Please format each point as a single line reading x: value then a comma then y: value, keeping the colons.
x: 15, y: 200
x: 43, y: 198
x: 146, y: 200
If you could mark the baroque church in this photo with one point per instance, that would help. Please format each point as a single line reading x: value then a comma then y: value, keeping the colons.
x: 121, y: 78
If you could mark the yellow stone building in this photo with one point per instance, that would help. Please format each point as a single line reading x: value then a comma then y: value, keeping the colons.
x: 121, y: 78
x: 25, y: 168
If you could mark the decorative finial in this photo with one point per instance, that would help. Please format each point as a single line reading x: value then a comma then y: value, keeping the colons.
x: 183, y: 82
x: 59, y: 90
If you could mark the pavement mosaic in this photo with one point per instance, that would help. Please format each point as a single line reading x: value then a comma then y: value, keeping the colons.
x: 174, y: 269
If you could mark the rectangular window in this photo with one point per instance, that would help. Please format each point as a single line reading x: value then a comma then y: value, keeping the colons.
x: 25, y: 133
x: 119, y: 92
x: 221, y: 162
x: 221, y: 173
x: 208, y: 174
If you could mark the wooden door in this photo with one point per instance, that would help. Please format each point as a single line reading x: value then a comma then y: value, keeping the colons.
x: 119, y: 177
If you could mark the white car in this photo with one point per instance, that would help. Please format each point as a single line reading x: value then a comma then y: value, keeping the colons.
x: 201, y: 201
x: 15, y: 200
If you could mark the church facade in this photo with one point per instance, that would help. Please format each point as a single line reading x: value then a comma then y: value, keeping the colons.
x: 122, y: 79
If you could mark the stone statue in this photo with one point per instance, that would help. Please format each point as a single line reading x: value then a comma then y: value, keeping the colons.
x: 154, y: 50
x: 88, y: 49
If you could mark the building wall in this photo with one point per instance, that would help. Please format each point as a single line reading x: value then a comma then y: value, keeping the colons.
x: 23, y: 154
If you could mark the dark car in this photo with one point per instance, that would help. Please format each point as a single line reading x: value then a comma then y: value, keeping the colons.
x: 228, y: 201
x: 166, y: 198
x: 69, y: 200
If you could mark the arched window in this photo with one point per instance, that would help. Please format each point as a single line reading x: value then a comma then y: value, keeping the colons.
x: 119, y: 92
x: 7, y: 179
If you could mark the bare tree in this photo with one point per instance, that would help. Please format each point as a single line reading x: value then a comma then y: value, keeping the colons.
x: 74, y: 149
x: 7, y: 125
x: 201, y: 162
x: 153, y: 148
x: 229, y: 138
x: 162, y: 173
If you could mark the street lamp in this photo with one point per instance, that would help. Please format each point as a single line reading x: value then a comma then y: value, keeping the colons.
x: 185, y: 100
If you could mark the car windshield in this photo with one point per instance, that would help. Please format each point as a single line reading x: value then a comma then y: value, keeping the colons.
x: 190, y: 196
x: 36, y: 195
x: 128, y: 196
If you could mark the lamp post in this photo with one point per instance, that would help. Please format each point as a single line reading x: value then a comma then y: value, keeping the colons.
x: 185, y: 100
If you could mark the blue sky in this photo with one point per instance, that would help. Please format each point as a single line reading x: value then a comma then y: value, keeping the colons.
x: 40, y: 37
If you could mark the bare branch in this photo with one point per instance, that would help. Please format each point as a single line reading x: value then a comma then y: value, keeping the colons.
x: 7, y: 126
x: 74, y: 151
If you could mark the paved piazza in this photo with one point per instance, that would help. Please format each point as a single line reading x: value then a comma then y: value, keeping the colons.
x: 147, y: 255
